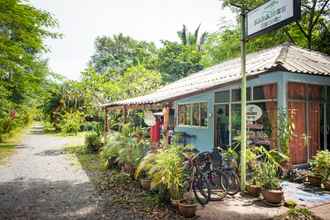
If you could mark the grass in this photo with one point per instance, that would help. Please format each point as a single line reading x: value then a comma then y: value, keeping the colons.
x: 8, y: 146
x: 6, y: 150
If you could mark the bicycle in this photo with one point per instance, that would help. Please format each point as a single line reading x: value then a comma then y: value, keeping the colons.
x: 197, y: 181
x: 226, y: 168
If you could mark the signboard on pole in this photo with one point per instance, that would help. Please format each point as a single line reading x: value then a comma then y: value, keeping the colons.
x: 271, y: 15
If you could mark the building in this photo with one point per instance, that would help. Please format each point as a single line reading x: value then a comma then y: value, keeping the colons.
x: 286, y: 77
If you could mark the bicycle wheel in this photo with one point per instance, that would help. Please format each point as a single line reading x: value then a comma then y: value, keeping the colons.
x: 216, y: 180
x: 231, y: 183
x: 201, y: 189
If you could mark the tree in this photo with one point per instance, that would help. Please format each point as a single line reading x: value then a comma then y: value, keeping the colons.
x: 115, y: 54
x: 192, y: 39
x: 177, y: 60
x: 306, y: 32
x: 23, y: 30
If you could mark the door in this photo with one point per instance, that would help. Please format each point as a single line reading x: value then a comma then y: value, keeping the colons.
x: 298, y: 151
x: 221, y: 125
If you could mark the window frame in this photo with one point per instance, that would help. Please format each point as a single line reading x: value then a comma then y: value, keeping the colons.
x: 191, y: 115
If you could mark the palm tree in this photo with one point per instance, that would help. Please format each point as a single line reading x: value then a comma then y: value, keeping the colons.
x: 192, y: 39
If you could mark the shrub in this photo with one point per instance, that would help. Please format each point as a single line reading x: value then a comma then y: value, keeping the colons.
x: 110, y: 151
x: 93, y: 142
x: 321, y: 164
x: 168, y: 170
x: 70, y: 123
x: 48, y: 127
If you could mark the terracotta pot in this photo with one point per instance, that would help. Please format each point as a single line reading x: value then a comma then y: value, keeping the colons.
x: 253, y: 190
x: 175, y: 203
x: 327, y: 185
x: 273, y: 196
x: 145, y: 183
x: 314, y: 180
x: 187, y: 210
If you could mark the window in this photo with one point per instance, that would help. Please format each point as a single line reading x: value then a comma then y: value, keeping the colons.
x: 265, y: 92
x: 193, y: 114
x: 222, y: 96
x: 236, y: 95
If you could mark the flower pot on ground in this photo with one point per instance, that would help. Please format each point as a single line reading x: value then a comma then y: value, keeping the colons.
x: 314, y: 180
x: 271, y: 189
x: 326, y: 185
x: 273, y: 196
x: 187, y: 208
x: 253, y: 190
x: 320, y: 167
x: 145, y: 184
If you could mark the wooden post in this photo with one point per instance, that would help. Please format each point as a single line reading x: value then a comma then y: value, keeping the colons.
x: 125, y: 114
x: 166, y: 117
x: 106, y: 124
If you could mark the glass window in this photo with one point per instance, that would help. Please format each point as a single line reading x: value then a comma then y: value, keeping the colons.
x: 188, y: 114
x: 314, y: 92
x: 203, y: 108
x: 236, y: 94
x: 222, y: 124
x: 195, y: 115
x: 265, y: 92
x: 181, y: 114
x: 296, y: 91
x: 263, y: 130
x: 222, y: 96
x: 235, y: 122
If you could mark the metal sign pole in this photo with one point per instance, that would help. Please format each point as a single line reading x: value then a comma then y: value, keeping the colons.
x: 243, y: 100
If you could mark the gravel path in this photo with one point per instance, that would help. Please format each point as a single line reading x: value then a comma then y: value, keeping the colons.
x: 39, y: 182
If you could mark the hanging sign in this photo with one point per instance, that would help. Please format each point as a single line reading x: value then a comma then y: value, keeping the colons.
x: 253, y: 112
x: 271, y: 15
x: 149, y: 118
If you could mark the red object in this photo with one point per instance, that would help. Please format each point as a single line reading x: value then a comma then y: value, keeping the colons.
x: 155, y: 132
x: 13, y: 114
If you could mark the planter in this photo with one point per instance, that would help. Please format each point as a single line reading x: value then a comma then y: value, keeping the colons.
x: 145, y: 183
x: 327, y: 185
x: 175, y: 203
x: 187, y: 210
x: 253, y: 190
x: 314, y: 180
x: 273, y: 196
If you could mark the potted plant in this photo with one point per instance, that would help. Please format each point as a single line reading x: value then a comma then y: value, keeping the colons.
x: 253, y: 187
x: 320, y: 167
x: 271, y: 189
x: 187, y: 207
x: 142, y: 169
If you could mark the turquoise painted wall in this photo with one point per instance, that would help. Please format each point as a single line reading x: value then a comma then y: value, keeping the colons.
x: 205, y: 136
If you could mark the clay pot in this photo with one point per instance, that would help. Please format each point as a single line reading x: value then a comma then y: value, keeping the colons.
x: 145, y: 183
x: 253, y: 190
x: 327, y: 185
x: 314, y: 180
x: 175, y: 203
x: 273, y: 196
x: 187, y: 210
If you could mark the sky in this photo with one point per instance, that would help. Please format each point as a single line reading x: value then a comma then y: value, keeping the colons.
x: 81, y: 21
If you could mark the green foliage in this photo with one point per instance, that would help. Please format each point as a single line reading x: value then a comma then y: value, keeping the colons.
x: 192, y: 39
x: 321, y: 164
x: 268, y: 176
x: 22, y: 73
x: 168, y: 170
x: 48, y: 127
x: 111, y: 149
x: 285, y: 131
x: 116, y: 54
x: 299, y: 214
x: 177, y: 61
x: 93, y: 141
x: 71, y: 122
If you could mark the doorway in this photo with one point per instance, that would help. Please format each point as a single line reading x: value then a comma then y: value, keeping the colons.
x: 221, y: 125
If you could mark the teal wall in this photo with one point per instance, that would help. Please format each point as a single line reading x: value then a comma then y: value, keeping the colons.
x: 205, y: 136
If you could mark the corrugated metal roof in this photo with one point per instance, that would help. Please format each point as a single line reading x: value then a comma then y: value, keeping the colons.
x: 289, y: 57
